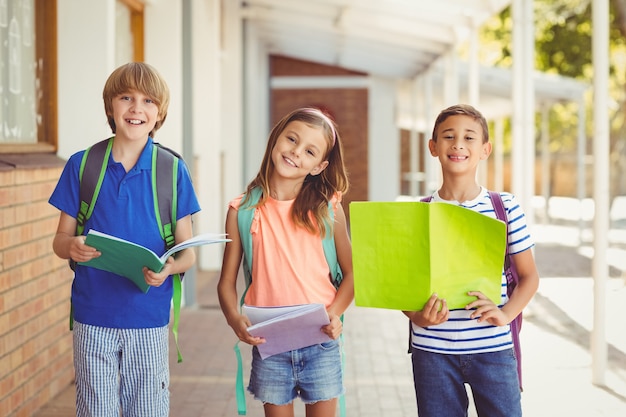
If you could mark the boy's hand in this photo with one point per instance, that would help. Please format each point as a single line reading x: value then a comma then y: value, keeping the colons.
x: 435, y: 311
x: 486, y: 310
x: 79, y: 252
x: 156, y: 279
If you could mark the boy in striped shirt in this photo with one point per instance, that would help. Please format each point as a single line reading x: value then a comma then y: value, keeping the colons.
x: 451, y: 348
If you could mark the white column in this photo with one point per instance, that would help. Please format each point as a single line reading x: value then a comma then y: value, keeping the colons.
x: 600, y: 53
x: 383, y: 142
x: 414, y: 149
x: 257, y: 102
x: 581, y: 163
x: 451, y: 80
x: 164, y: 50
x: 231, y: 105
x: 498, y: 165
x: 206, y: 125
x: 432, y: 169
x: 529, y: 111
x: 545, y: 157
x: 523, y: 117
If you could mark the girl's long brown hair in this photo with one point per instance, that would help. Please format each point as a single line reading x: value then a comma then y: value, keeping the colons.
x: 310, y: 209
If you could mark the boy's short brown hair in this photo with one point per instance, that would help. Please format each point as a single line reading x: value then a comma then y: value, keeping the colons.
x: 141, y: 77
x: 462, y: 110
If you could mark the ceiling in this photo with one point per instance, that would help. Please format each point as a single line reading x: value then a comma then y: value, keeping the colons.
x: 388, y: 38
x: 396, y: 39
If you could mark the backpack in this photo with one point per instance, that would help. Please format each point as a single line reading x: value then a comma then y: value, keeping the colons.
x: 164, y: 184
x: 245, y: 215
x: 512, y: 279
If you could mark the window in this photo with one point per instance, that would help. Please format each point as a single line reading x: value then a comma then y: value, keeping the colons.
x: 27, y: 74
x: 28, y: 69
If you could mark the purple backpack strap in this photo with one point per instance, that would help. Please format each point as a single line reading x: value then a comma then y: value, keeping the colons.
x: 512, y: 280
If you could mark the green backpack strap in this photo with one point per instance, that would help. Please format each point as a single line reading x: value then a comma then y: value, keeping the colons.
x: 245, y: 216
x: 93, y: 165
x: 164, y: 192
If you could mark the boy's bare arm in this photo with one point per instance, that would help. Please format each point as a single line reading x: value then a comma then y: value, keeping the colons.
x: 527, y: 286
x: 67, y: 245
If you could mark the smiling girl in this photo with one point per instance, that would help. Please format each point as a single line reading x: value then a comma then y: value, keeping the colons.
x: 301, y: 173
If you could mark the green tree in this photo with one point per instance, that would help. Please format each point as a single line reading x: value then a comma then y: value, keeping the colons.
x: 563, y: 45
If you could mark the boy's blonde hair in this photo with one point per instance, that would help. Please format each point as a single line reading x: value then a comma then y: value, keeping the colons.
x: 310, y: 208
x: 462, y: 110
x: 141, y: 77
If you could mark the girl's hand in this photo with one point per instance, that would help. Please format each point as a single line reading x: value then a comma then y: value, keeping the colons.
x: 486, y: 310
x: 240, y: 326
x: 334, y: 328
x: 435, y: 311
x: 79, y: 252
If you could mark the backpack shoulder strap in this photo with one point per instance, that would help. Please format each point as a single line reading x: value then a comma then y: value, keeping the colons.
x: 92, y: 169
x: 245, y: 215
x: 164, y: 188
x: 165, y: 192
x: 512, y: 280
x: 330, y: 251
x: 498, y: 207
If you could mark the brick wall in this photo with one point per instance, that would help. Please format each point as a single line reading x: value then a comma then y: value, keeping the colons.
x: 35, y: 344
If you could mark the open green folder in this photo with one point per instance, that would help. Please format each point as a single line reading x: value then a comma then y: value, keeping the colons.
x: 403, y: 252
x: 128, y: 259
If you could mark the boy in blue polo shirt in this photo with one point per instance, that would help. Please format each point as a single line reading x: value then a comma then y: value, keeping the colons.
x: 120, y: 333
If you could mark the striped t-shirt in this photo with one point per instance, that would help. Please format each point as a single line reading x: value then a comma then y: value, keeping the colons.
x: 460, y: 334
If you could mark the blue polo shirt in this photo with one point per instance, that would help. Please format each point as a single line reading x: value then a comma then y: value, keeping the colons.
x: 125, y: 209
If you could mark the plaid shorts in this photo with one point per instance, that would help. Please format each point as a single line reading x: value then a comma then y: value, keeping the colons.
x: 123, y: 370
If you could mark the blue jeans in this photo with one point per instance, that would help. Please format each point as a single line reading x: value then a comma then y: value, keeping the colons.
x: 440, y: 384
x: 312, y: 373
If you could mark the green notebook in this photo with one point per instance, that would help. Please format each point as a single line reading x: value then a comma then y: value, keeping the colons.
x: 127, y: 259
x: 403, y: 252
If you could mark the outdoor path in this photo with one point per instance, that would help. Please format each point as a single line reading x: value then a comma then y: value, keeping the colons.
x: 555, y: 339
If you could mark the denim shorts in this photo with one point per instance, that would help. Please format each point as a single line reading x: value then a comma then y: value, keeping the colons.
x: 312, y: 373
x: 440, y: 383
